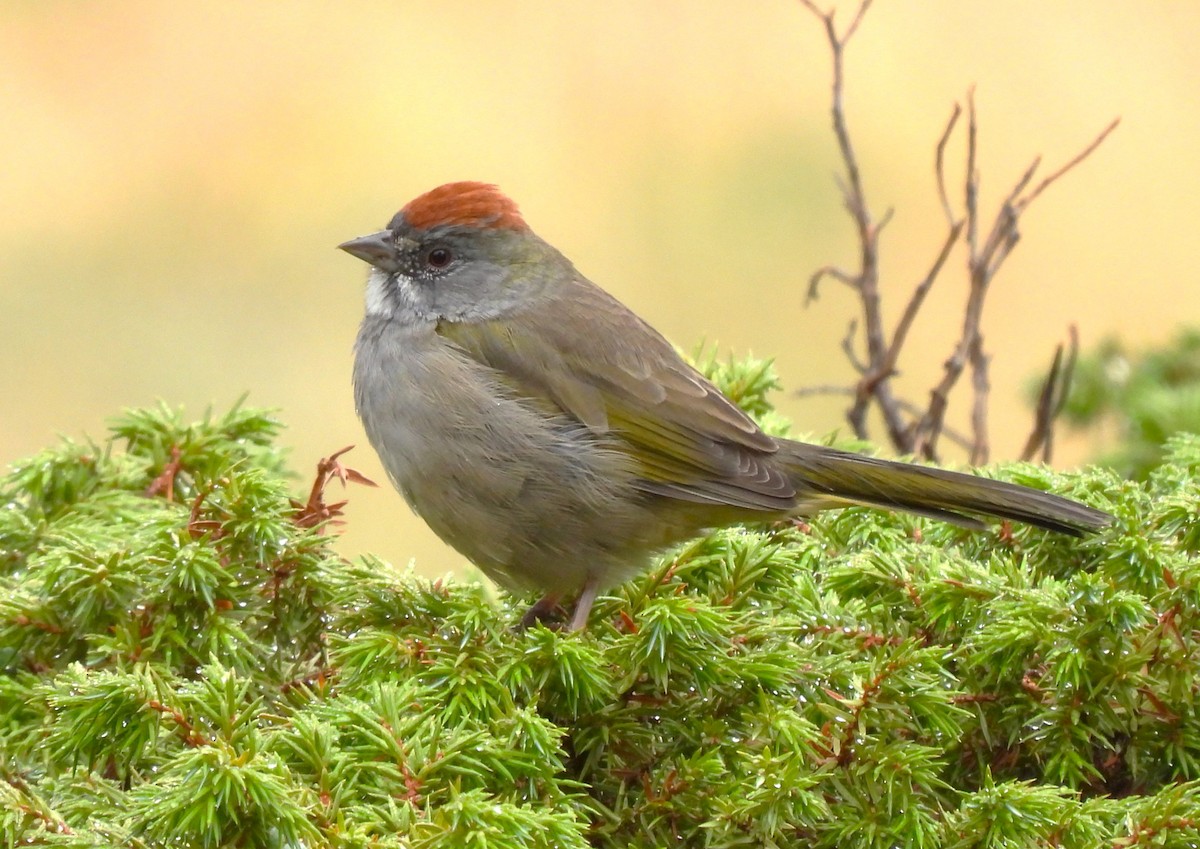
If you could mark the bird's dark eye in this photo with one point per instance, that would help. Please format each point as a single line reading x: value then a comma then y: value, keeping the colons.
x: 438, y: 258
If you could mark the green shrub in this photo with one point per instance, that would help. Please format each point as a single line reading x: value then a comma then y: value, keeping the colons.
x: 1136, y: 400
x: 186, y: 662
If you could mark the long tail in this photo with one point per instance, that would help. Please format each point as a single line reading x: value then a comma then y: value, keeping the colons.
x: 833, y: 476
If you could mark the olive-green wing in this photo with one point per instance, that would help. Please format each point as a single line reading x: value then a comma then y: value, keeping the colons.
x: 594, y: 359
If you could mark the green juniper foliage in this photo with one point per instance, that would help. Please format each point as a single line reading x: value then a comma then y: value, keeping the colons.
x: 185, y: 662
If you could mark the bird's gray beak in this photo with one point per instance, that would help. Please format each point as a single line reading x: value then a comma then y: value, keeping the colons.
x: 378, y: 249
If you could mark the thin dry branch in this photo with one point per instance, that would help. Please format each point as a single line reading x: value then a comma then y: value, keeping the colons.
x: 982, y: 385
x: 939, y: 166
x: 982, y: 265
x: 853, y: 190
x: 908, y: 407
x: 927, y: 428
x: 1051, y: 399
x: 820, y: 274
x: 848, y: 347
x: 918, y: 296
x: 865, y: 281
x: 910, y: 429
x: 871, y: 379
x: 1024, y: 202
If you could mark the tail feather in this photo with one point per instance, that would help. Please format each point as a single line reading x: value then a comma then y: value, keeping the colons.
x: 840, y: 476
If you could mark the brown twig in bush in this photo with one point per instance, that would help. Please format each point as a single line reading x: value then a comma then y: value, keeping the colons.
x: 165, y: 482
x: 316, y: 511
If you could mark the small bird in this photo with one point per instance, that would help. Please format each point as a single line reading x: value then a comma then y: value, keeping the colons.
x: 557, y: 441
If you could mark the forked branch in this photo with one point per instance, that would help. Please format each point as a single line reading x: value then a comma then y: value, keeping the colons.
x: 916, y: 429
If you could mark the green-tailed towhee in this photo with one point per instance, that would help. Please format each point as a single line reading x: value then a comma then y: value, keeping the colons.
x: 558, y: 441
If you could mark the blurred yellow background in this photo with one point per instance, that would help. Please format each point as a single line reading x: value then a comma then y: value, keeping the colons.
x: 174, y: 178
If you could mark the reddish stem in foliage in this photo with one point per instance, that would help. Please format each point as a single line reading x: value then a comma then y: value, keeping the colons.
x: 315, y: 511
x: 165, y: 482
x: 187, y: 731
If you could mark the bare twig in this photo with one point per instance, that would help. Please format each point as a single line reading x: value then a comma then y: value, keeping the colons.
x: 855, y: 197
x: 925, y: 431
x: 870, y: 381
x: 971, y: 187
x: 1039, y: 437
x: 1051, y: 399
x: 848, y: 347
x: 165, y: 482
x: 982, y: 386
x: 866, y: 280
x: 823, y: 389
x: 983, y: 262
x: 1068, y: 372
x: 907, y: 407
x: 940, y: 167
x: 913, y: 430
x: 828, y: 271
x: 1075, y: 160
x: 918, y: 296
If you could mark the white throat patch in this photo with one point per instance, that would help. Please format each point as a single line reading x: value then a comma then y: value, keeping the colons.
x: 395, y: 297
x: 377, y: 302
